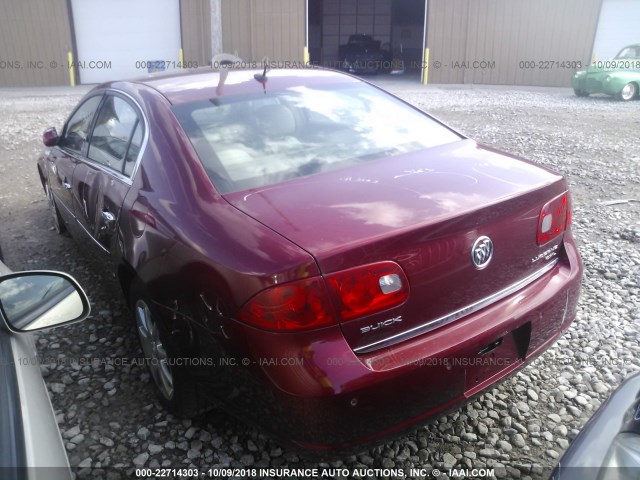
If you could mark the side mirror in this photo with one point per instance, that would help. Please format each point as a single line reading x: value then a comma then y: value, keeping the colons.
x: 50, y: 137
x: 37, y: 300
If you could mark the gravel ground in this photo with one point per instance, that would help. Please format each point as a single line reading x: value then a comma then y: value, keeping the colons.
x: 109, y: 417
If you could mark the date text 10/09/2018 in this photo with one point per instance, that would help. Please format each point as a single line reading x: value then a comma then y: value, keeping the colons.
x: 308, y: 472
x: 265, y: 472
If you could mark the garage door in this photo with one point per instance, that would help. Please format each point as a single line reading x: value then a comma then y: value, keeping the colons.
x: 122, y: 38
x: 617, y: 27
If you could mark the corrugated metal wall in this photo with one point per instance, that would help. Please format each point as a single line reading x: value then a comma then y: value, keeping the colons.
x: 253, y: 29
x: 35, y: 37
x: 617, y: 28
x: 499, y: 35
x: 236, y: 28
x: 509, y: 42
x: 195, y: 24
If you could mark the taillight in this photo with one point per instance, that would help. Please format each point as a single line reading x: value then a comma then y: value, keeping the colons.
x: 569, y: 212
x: 555, y: 218
x: 305, y: 304
x: 368, y: 289
x: 299, y: 305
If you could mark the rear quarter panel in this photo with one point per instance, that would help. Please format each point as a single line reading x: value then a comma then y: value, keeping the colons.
x: 183, y: 239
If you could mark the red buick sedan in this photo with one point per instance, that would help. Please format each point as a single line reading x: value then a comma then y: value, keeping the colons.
x: 310, y: 252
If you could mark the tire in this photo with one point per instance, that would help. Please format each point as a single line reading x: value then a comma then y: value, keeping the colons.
x: 173, y: 385
x: 580, y: 93
x: 628, y: 92
x: 58, y: 223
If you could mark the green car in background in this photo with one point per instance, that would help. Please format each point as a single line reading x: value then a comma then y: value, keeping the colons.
x: 619, y: 77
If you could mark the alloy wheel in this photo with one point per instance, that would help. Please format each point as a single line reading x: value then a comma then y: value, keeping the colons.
x: 628, y: 92
x: 154, y: 350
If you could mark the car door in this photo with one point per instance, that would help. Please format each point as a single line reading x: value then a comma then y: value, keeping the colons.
x: 103, y: 178
x: 63, y: 158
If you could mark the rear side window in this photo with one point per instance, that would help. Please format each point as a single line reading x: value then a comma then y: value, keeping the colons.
x: 113, y: 133
x: 77, y: 128
x: 261, y: 139
x: 134, y: 150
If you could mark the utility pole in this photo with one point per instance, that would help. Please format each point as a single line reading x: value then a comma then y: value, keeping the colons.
x: 216, y: 27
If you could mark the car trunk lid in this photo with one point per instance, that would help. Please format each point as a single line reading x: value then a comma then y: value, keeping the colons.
x: 423, y: 210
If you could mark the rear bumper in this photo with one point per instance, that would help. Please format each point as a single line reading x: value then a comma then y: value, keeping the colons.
x: 313, y: 390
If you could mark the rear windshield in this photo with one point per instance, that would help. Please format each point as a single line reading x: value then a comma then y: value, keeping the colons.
x: 247, y: 142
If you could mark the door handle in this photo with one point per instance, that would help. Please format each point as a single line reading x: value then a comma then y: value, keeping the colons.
x: 109, y: 219
x: 66, y: 185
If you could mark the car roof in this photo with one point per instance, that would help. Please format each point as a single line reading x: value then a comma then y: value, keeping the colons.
x: 206, y: 84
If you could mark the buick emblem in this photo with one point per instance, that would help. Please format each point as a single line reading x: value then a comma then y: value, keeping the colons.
x: 482, y: 252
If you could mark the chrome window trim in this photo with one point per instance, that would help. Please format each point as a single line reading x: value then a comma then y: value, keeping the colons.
x: 458, y: 314
x: 145, y: 138
x: 85, y: 158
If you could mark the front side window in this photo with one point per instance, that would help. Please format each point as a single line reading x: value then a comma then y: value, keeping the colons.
x: 629, y: 53
x: 257, y: 140
x: 112, y: 134
x: 77, y: 128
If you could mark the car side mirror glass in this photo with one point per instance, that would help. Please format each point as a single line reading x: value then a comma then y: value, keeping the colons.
x: 50, y: 137
x: 31, y: 301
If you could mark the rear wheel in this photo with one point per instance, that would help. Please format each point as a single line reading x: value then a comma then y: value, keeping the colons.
x: 58, y: 223
x: 580, y: 93
x: 154, y: 350
x: 173, y: 385
x: 628, y: 92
